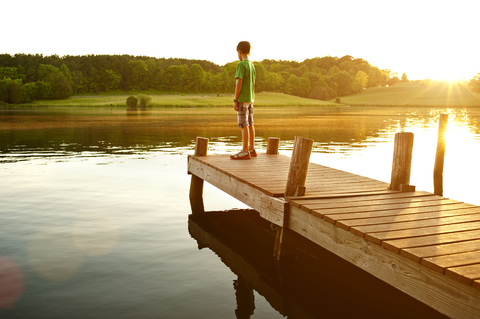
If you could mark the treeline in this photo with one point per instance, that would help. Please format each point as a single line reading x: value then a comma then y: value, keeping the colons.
x: 26, y: 77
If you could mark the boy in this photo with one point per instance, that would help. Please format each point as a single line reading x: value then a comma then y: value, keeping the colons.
x: 243, y: 101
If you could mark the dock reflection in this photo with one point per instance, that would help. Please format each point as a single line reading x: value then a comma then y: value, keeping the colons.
x: 316, y: 284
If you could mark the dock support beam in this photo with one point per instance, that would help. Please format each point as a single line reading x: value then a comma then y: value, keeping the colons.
x: 440, y: 155
x: 402, y: 162
x: 285, y: 241
x: 196, y: 184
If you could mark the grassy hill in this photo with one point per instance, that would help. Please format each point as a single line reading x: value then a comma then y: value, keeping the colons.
x: 440, y: 94
x: 261, y: 99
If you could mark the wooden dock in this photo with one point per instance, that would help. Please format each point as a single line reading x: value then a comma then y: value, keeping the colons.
x: 423, y: 244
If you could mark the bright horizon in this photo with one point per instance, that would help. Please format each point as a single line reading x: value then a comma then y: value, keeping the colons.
x: 423, y: 38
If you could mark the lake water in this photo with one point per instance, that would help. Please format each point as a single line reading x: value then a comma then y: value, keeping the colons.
x: 94, y: 209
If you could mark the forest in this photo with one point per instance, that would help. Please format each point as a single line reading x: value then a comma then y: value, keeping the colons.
x: 27, y: 77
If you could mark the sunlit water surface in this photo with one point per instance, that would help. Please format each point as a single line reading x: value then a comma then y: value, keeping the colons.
x: 94, y: 202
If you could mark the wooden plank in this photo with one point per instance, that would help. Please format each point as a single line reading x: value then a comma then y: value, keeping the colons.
x: 441, y: 263
x: 362, y: 230
x: 339, y: 196
x: 387, y: 201
x: 400, y: 212
x: 465, y: 274
x: 332, y: 215
x: 270, y: 208
x: 419, y: 253
x: 454, y: 299
x: 347, y: 223
x: 326, y: 189
x: 355, y: 198
x: 347, y: 183
x: 423, y: 231
x: 398, y: 244
x: 333, y: 179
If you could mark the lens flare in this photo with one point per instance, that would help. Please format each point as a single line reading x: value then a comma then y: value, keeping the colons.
x: 95, y: 233
x: 11, y: 282
x: 53, y: 255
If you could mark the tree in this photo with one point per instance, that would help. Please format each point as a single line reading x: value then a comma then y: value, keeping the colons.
x: 43, y: 90
x: 66, y: 73
x: 195, y: 78
x: 143, y: 100
x: 61, y: 89
x: 15, y: 92
x: 132, y: 101
x: 11, y: 73
x: 404, y: 77
x: 174, y: 78
x: 93, y: 81
x: 474, y: 83
x: 44, y: 70
x: 316, y: 79
x: 344, y: 81
x: 275, y: 83
x: 393, y: 80
x: 137, y: 74
x: 375, y: 77
x: 323, y: 93
x: 112, y: 80
x: 299, y: 86
x: 29, y: 91
x: 327, y: 62
x: 362, y: 78
x: 261, y: 78
x: 4, y: 89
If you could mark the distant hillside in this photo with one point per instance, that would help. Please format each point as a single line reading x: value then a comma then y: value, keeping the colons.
x: 441, y: 94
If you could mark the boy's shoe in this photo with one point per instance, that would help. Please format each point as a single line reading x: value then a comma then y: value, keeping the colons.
x: 241, y: 155
x: 253, y: 153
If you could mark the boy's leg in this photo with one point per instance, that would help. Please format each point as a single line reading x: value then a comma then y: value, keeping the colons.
x: 251, y: 137
x: 245, y: 138
x: 251, y: 128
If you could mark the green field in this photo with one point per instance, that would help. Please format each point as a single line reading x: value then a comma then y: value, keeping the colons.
x: 261, y: 99
x: 437, y: 94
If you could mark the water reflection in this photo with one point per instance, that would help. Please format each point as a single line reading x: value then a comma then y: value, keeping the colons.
x: 356, y: 139
x: 59, y: 164
x: 317, y: 284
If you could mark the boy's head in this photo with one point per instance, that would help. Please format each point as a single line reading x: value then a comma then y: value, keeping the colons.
x: 244, y: 47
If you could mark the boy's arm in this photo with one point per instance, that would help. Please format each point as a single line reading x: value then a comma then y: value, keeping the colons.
x: 238, y: 86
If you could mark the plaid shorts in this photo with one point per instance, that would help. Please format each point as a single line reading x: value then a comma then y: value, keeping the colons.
x: 245, y: 114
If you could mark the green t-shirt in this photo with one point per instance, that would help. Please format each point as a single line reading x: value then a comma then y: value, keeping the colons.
x: 246, y: 72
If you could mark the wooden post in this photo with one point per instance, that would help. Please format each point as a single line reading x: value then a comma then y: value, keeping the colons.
x: 285, y: 243
x: 402, y: 161
x: 440, y: 155
x: 196, y: 184
x: 201, y: 146
x: 297, y: 175
x: 272, y: 145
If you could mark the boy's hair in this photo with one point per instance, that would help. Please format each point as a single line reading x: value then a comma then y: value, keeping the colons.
x: 244, y: 47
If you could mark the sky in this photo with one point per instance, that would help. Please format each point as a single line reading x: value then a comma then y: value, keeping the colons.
x: 423, y: 38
